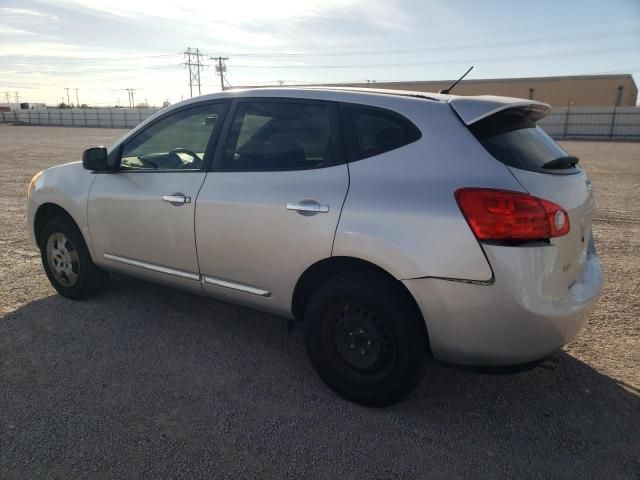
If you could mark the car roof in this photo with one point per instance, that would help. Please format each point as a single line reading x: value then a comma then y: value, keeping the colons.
x: 320, y: 92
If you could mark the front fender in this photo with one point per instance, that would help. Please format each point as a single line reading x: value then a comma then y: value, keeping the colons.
x: 66, y: 186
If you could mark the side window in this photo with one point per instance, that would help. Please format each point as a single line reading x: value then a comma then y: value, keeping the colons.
x: 371, y: 130
x: 177, y: 142
x: 279, y: 136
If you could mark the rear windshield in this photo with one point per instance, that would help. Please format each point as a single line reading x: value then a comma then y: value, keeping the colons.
x: 514, y: 139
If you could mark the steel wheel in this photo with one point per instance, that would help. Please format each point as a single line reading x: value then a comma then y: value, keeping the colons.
x: 63, y: 259
x: 362, y: 345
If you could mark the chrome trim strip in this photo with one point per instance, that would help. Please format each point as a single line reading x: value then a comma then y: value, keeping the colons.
x: 236, y: 286
x: 152, y: 267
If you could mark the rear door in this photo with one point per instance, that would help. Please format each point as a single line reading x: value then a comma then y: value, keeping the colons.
x: 547, y: 171
x: 270, y: 206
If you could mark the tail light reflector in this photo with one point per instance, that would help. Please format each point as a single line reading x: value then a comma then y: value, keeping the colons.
x: 506, y: 215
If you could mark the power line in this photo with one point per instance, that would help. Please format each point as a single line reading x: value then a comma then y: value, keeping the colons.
x: 443, y: 62
x: 192, y: 57
x: 399, y: 50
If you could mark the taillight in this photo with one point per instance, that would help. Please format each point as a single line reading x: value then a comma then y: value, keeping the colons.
x: 506, y: 215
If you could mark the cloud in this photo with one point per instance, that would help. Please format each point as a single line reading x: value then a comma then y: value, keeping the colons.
x: 11, y: 11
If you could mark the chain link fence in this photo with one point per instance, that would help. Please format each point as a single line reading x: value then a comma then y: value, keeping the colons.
x: 563, y: 122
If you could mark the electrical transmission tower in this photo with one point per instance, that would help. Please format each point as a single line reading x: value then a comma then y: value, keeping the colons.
x: 130, y: 92
x: 192, y: 62
x: 221, y: 68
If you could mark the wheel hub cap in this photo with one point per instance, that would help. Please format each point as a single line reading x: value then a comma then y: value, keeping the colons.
x: 63, y: 259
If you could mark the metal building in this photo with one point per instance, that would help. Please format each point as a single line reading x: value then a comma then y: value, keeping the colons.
x: 579, y: 90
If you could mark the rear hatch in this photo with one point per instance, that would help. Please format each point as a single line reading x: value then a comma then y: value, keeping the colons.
x: 507, y: 129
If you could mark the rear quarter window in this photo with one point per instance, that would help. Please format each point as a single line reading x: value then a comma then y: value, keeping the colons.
x: 370, y: 131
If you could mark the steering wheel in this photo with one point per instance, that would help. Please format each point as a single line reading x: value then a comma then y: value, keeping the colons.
x: 173, y: 153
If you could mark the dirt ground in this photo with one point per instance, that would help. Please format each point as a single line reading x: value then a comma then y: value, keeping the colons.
x: 147, y: 382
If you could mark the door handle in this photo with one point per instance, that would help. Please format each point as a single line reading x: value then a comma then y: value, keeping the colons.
x: 308, y: 207
x: 176, y: 199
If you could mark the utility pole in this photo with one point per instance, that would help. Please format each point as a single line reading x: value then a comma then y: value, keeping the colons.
x: 221, y: 68
x: 17, y: 97
x: 192, y: 62
x: 6, y: 94
x: 77, y: 101
x: 68, y: 101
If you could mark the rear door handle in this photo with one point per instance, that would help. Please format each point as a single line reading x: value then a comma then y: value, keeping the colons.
x: 308, y: 207
x: 176, y: 199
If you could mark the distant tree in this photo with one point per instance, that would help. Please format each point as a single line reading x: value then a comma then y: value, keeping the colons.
x: 166, y: 103
x: 142, y: 105
x: 84, y: 105
x: 63, y: 105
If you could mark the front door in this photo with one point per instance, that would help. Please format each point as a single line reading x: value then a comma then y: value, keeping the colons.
x: 270, y: 206
x: 141, y: 217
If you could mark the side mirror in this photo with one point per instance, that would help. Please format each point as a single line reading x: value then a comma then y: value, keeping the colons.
x: 95, y: 159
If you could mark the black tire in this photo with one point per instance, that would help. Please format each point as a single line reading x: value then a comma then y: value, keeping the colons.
x: 365, y: 338
x: 88, y: 280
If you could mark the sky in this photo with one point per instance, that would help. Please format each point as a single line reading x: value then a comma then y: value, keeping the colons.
x: 102, y: 48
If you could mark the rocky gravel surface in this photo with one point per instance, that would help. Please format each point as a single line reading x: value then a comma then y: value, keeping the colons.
x: 147, y: 382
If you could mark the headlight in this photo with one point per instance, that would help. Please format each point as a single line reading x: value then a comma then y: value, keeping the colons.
x: 32, y: 183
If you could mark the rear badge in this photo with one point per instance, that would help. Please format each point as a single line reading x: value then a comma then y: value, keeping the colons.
x: 567, y: 267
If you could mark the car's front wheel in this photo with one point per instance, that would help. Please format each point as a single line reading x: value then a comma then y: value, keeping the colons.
x: 365, y: 338
x: 67, y: 261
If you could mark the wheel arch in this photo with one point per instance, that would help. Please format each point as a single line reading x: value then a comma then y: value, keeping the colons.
x: 324, y: 269
x: 47, y: 211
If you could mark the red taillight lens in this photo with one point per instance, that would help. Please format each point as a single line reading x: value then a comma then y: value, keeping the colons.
x: 506, y: 215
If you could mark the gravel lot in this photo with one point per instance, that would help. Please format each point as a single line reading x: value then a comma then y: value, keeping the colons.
x: 150, y: 382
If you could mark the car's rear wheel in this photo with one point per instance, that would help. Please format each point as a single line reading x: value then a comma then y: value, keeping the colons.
x: 67, y: 261
x: 365, y: 338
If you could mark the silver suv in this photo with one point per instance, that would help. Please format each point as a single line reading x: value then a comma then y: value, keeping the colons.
x: 396, y: 226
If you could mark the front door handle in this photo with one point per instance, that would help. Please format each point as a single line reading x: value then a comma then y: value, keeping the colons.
x: 308, y: 207
x: 176, y: 199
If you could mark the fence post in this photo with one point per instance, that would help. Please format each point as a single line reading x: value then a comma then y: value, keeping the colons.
x: 566, y: 121
x: 84, y: 114
x: 613, y: 121
x: 139, y: 116
x: 48, y: 117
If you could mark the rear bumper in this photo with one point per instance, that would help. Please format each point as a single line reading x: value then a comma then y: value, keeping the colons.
x: 526, y: 314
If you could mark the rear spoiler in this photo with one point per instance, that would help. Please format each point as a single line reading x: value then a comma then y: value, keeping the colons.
x: 472, y: 109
